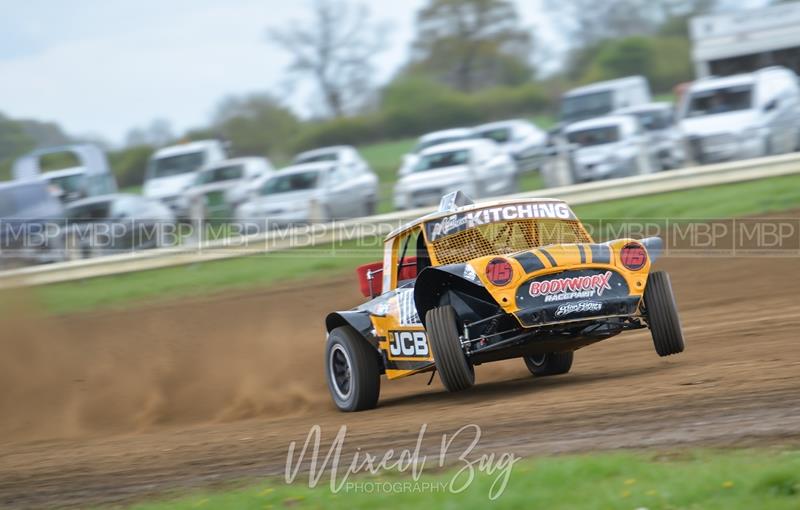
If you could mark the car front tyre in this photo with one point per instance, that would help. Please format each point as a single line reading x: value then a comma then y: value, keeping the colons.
x: 662, y: 315
x: 554, y: 363
x: 352, y: 370
x: 455, y: 371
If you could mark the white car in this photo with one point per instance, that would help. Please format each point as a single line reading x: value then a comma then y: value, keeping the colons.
x: 171, y: 171
x: 742, y: 116
x: 431, y: 140
x: 666, y: 142
x: 223, y: 186
x: 601, y: 98
x: 478, y: 167
x: 607, y: 147
x: 341, y: 155
x: 523, y: 141
x: 310, y: 192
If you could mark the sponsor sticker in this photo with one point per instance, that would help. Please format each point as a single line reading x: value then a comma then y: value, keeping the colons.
x: 578, y: 287
x: 409, y: 344
x: 579, y: 307
x: 462, y: 221
x: 407, y: 308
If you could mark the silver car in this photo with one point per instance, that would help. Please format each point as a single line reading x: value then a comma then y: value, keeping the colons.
x: 608, y: 147
x: 220, y: 188
x: 311, y: 192
x: 478, y: 167
x: 666, y: 142
x: 30, y: 224
x: 118, y: 223
x: 523, y: 141
x: 430, y: 140
x: 92, y: 176
x: 342, y: 155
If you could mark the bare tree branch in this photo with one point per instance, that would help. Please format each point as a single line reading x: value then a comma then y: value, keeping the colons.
x: 336, y: 50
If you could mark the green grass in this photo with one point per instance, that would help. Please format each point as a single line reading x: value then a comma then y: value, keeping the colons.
x: 741, y: 199
x: 751, y: 198
x: 133, y: 190
x: 708, y: 480
x: 385, y: 160
x: 204, y: 279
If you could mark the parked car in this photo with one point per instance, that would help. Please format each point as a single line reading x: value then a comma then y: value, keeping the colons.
x: 30, y: 224
x: 521, y: 139
x: 601, y: 98
x: 311, y: 192
x: 118, y: 223
x: 666, y: 142
x: 431, y: 140
x: 341, y: 155
x: 221, y: 187
x: 607, y: 147
x: 91, y: 177
x: 173, y: 170
x: 742, y: 116
x: 479, y: 167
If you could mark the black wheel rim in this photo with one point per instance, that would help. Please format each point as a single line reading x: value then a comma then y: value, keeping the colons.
x: 340, y: 371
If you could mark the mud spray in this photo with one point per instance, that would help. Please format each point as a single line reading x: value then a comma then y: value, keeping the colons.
x: 131, y: 370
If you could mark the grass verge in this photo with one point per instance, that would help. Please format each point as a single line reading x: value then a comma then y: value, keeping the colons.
x: 704, y: 479
x: 743, y: 199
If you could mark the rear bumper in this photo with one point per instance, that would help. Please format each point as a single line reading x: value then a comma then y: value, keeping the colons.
x: 574, y: 311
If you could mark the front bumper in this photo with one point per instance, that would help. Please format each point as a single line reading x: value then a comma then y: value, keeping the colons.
x: 602, y: 170
x: 721, y: 148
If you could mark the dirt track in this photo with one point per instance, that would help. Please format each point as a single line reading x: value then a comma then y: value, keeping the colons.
x: 119, y: 406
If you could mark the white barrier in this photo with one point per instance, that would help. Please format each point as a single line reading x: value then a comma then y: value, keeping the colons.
x: 601, y: 191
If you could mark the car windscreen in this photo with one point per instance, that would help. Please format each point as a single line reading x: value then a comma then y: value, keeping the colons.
x: 594, y: 136
x: 87, y: 212
x: 586, y: 106
x: 221, y: 174
x: 421, y: 146
x: 321, y: 157
x: 442, y: 160
x: 16, y: 199
x: 654, y: 120
x: 505, y: 237
x: 721, y: 100
x: 499, y: 135
x: 176, y: 165
x: 291, y: 182
x: 68, y: 183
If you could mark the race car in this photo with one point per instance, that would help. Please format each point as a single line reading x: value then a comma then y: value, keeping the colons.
x: 476, y: 283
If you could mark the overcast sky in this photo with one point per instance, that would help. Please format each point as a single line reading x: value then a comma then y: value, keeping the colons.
x: 104, y: 66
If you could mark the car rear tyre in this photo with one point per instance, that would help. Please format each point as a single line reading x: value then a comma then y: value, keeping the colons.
x: 662, y: 315
x: 352, y: 370
x: 554, y: 363
x: 455, y: 371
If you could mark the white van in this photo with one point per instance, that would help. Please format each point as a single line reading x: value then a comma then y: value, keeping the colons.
x: 602, y: 98
x: 173, y: 170
x: 742, y: 116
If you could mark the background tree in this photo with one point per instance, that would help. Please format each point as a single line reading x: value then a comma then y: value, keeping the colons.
x: 616, y: 38
x: 256, y: 125
x: 336, y: 50
x: 157, y: 134
x: 472, y: 44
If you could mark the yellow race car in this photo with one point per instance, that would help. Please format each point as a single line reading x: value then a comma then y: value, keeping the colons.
x: 471, y: 284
